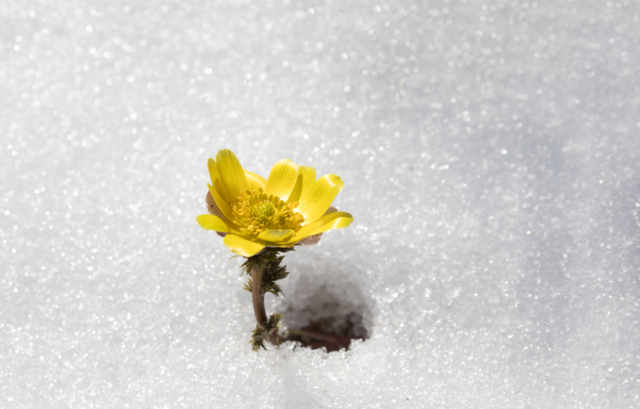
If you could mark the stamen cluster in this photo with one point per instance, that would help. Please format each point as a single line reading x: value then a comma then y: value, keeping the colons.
x: 256, y: 212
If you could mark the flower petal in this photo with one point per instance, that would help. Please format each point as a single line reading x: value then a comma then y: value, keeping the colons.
x: 242, y: 246
x: 213, y: 170
x: 275, y: 235
x: 318, y: 198
x: 306, y: 178
x: 223, y: 205
x: 254, y: 181
x: 335, y: 220
x: 231, y: 173
x: 214, y: 175
x: 211, y: 222
x: 282, y: 179
x: 337, y: 223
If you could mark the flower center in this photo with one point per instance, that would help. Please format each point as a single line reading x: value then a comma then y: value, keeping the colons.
x: 256, y: 212
x: 264, y: 210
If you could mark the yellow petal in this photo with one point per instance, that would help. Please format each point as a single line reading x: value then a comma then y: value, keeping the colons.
x: 331, y: 219
x: 231, y: 173
x: 337, y: 223
x: 306, y: 177
x: 213, y: 171
x: 223, y: 205
x: 282, y: 179
x: 294, y: 196
x: 315, y: 202
x: 275, y: 235
x: 214, y: 175
x: 211, y: 222
x: 254, y: 181
x: 242, y: 246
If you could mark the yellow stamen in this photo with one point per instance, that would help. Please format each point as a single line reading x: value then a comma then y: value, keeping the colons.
x: 257, y: 212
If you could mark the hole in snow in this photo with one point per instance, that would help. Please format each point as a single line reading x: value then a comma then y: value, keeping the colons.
x: 325, y: 309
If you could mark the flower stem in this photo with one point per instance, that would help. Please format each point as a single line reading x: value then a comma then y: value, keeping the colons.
x: 265, y: 269
x: 256, y: 293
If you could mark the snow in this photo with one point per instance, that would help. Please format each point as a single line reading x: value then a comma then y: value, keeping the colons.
x: 491, y: 158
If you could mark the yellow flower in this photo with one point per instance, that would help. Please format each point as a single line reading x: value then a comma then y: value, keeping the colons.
x: 281, y: 211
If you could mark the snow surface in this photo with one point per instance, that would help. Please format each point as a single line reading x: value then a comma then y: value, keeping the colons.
x: 490, y: 154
